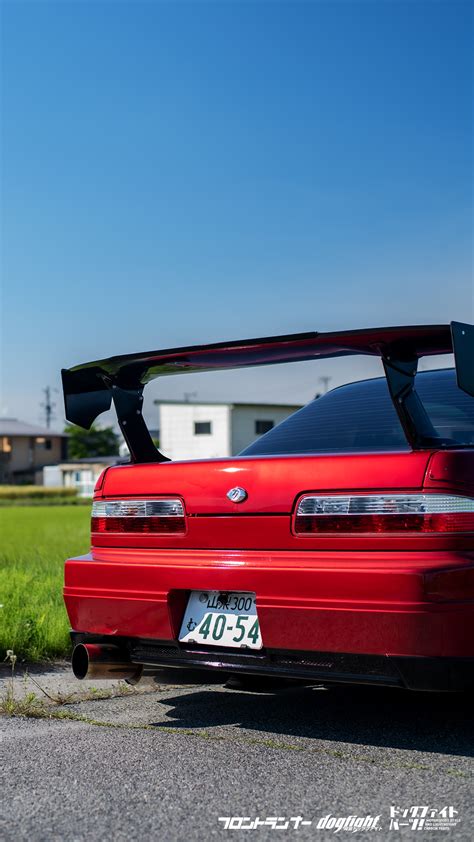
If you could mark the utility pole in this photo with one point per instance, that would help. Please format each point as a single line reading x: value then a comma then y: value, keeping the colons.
x: 48, y: 406
x: 189, y: 395
x: 325, y: 381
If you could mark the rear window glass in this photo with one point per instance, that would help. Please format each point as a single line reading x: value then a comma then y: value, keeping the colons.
x: 361, y: 417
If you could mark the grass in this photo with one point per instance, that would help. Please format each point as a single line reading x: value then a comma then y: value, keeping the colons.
x: 28, y: 704
x: 39, y: 495
x: 39, y: 492
x: 35, y: 541
x: 5, y: 502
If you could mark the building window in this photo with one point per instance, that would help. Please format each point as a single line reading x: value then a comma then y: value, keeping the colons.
x: 5, y: 445
x: 45, y: 443
x: 263, y: 427
x: 202, y: 428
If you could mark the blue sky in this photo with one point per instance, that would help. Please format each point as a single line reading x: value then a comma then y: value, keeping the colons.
x: 176, y: 173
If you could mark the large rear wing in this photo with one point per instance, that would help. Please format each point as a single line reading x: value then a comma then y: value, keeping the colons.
x: 89, y: 389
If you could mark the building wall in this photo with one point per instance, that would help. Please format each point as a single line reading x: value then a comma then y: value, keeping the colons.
x: 82, y: 477
x: 244, y: 420
x: 52, y: 476
x: 27, y: 454
x: 48, y: 457
x: 232, y: 428
x: 178, y: 439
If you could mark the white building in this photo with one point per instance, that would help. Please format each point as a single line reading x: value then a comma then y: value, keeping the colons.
x: 209, y: 430
x: 81, y: 474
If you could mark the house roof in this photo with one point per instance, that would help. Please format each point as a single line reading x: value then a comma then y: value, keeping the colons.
x: 14, y: 427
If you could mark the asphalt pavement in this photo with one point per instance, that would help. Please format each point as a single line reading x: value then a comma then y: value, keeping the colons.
x: 184, y: 762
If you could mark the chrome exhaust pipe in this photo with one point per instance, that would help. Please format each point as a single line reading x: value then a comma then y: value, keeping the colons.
x: 103, y: 661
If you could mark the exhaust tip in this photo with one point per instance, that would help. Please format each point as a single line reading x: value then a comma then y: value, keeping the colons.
x: 103, y: 661
x: 80, y: 661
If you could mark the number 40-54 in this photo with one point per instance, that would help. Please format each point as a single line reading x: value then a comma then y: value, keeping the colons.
x: 219, y: 628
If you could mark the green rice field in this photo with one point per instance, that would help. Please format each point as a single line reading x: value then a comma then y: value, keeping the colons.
x: 34, y: 542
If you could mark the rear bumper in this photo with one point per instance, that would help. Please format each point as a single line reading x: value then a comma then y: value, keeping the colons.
x: 387, y: 606
x: 432, y: 674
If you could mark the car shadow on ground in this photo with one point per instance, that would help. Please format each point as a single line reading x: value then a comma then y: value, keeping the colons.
x: 381, y: 717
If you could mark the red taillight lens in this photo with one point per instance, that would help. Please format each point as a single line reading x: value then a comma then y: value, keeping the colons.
x: 379, y: 514
x: 159, y: 516
x: 100, y: 480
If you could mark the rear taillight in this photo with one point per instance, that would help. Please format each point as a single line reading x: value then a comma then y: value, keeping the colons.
x: 377, y: 513
x: 156, y: 516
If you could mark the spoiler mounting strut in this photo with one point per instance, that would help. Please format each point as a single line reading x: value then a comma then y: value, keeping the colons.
x: 412, y: 415
x: 128, y: 406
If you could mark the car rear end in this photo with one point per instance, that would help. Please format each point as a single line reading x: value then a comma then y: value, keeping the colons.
x: 348, y: 556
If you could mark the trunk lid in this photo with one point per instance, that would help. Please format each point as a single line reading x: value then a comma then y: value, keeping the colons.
x: 272, y: 483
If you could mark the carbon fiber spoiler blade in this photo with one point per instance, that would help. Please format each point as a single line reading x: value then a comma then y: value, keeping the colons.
x: 90, y: 388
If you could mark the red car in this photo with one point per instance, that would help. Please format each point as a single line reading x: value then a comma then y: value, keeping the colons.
x: 338, y: 547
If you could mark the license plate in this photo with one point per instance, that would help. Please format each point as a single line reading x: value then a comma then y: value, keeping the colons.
x: 218, y: 618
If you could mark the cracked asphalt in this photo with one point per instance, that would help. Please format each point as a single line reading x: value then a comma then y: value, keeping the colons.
x: 167, y: 762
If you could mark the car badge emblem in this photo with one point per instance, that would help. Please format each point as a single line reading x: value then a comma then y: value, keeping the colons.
x: 237, y: 495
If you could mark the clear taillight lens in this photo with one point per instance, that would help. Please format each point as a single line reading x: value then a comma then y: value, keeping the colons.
x: 376, y: 513
x: 163, y: 515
